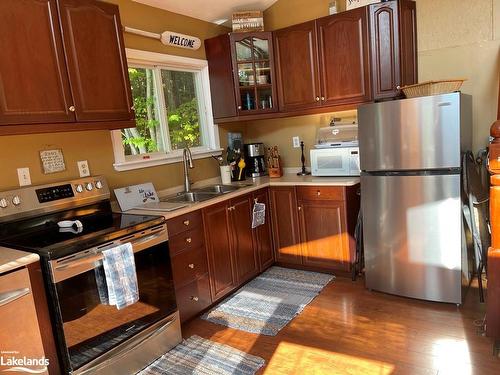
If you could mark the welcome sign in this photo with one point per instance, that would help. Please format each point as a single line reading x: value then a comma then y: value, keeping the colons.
x: 169, y: 38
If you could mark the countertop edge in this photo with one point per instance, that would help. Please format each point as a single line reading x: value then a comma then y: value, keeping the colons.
x: 11, y: 259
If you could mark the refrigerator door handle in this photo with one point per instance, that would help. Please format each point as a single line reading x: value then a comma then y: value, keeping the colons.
x: 444, y: 104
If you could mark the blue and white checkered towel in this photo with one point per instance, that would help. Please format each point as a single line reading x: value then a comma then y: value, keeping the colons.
x: 120, y: 276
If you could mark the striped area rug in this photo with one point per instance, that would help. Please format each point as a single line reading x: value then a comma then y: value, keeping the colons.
x: 198, y: 356
x: 266, y: 304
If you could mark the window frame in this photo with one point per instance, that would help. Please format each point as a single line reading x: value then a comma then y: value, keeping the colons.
x: 208, y: 129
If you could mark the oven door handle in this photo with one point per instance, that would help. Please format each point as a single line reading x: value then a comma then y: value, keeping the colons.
x: 8, y: 297
x: 137, y: 245
x: 126, y: 350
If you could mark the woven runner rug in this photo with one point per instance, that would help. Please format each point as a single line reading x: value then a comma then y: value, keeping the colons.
x: 266, y: 304
x: 198, y: 356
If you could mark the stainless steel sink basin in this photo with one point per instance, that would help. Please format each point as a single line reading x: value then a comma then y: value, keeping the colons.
x: 191, y: 197
x: 219, y: 189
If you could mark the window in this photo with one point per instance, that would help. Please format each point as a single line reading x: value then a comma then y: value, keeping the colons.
x: 173, y: 111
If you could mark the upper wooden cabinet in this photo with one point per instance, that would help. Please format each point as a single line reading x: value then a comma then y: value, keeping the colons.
x: 297, y: 68
x: 64, y: 67
x: 242, y: 78
x: 393, y: 47
x: 34, y: 86
x: 344, y: 58
x: 97, y: 65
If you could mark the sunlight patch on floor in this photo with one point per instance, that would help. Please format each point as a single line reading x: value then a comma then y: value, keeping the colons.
x: 452, y: 357
x: 298, y: 359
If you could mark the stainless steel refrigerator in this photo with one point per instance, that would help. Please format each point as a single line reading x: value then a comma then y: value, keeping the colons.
x: 410, y: 156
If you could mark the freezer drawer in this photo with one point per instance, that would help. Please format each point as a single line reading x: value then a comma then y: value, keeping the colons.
x: 412, y: 235
x: 414, y: 134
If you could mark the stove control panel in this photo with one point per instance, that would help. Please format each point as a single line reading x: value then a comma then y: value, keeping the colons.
x: 31, y: 200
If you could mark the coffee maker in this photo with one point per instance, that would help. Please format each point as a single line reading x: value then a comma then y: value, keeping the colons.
x: 255, y: 160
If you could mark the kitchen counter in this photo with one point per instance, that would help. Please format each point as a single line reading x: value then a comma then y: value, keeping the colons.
x: 248, y: 186
x: 11, y: 259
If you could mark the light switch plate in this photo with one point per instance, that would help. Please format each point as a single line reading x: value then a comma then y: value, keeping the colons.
x: 23, y: 175
x: 296, y: 142
x: 83, y: 168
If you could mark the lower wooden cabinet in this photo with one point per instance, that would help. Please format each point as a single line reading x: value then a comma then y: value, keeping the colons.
x: 263, y: 233
x: 314, y: 226
x: 193, y: 297
x: 285, y: 225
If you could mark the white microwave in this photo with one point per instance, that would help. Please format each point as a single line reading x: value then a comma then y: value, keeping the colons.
x: 342, y: 161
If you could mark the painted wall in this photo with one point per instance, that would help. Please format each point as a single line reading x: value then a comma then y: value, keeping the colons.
x: 455, y: 39
x: 95, y: 146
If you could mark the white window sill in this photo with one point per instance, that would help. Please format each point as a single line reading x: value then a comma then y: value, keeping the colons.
x: 164, y: 159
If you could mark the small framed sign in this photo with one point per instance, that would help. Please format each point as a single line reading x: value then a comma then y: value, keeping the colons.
x: 52, y: 161
x: 351, y: 4
x: 248, y: 21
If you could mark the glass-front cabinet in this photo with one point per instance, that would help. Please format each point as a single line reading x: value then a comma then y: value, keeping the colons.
x: 253, y: 69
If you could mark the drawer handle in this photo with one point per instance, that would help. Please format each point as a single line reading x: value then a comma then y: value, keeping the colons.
x: 318, y: 193
x: 186, y: 222
x: 194, y: 298
x: 191, y: 265
x: 189, y: 240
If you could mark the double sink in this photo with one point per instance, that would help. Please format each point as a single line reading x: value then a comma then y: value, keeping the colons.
x: 202, y: 194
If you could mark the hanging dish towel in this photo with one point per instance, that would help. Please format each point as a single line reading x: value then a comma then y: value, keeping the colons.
x: 120, y: 275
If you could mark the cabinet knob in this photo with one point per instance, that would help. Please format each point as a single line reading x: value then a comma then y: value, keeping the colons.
x: 239, y: 107
x: 194, y: 298
x: 189, y: 240
x: 322, y: 98
x: 186, y: 222
x: 317, y: 98
x: 231, y: 208
x: 72, y: 108
x: 318, y: 193
x: 300, y: 208
x: 191, y: 265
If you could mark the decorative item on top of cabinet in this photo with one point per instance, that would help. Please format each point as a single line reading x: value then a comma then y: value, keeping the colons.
x: 241, y: 70
x: 76, y: 80
x: 393, y: 47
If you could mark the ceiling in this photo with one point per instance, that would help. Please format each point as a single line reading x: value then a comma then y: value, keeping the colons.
x: 216, y: 11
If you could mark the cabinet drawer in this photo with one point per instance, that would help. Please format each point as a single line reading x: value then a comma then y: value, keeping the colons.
x: 193, y: 298
x: 192, y: 239
x: 183, y: 223
x: 320, y: 193
x: 188, y: 266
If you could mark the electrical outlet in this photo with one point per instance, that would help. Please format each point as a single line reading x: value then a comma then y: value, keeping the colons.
x: 23, y: 174
x: 83, y: 168
x: 296, y: 142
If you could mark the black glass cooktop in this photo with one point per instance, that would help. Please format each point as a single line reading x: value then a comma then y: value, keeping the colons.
x: 99, y: 225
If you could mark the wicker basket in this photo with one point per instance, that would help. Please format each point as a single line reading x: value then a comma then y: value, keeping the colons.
x: 432, y: 88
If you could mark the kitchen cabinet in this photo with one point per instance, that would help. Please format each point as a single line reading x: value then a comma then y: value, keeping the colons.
x: 285, y: 223
x: 263, y: 233
x: 242, y: 77
x: 314, y: 226
x: 344, y: 58
x: 78, y: 77
x: 297, y: 67
x: 189, y: 264
x: 393, y: 47
x: 20, y: 329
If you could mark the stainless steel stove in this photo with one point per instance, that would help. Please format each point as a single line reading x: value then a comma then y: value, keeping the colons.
x: 69, y: 224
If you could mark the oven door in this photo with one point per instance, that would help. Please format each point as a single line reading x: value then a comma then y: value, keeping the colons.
x: 330, y: 162
x: 87, y: 329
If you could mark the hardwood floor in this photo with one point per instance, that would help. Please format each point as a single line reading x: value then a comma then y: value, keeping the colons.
x: 350, y: 330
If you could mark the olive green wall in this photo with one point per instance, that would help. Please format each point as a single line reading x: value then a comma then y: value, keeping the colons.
x: 95, y: 146
x: 455, y: 39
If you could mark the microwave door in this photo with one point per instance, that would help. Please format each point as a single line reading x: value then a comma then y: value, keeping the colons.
x: 330, y: 162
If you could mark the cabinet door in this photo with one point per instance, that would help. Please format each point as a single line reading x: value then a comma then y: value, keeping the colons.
x: 325, y: 242
x: 285, y: 225
x: 263, y: 233
x: 97, y: 65
x: 245, y: 254
x: 384, y: 44
x: 34, y: 86
x: 297, y: 68
x: 408, y: 38
x: 218, y: 239
x: 20, y: 331
x: 343, y: 51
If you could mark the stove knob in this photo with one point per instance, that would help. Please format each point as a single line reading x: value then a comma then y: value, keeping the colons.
x: 16, y: 200
x: 89, y: 186
x: 4, y: 203
x: 98, y: 184
x: 79, y: 188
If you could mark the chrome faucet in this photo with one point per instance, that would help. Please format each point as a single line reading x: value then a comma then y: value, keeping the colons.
x: 187, y: 159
